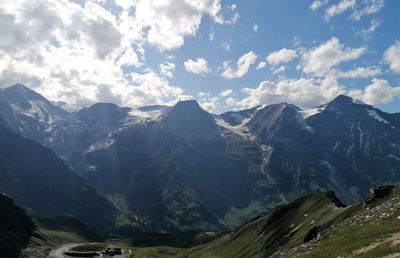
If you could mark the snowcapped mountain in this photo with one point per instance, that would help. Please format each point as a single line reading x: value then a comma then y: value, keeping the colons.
x: 34, y: 113
x: 182, y: 168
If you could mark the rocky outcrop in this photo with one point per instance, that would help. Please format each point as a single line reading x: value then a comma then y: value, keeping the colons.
x: 378, y: 192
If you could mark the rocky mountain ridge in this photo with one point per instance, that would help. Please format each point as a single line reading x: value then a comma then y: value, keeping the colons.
x: 182, y: 168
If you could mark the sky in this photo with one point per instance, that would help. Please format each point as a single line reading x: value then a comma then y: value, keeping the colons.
x: 229, y: 55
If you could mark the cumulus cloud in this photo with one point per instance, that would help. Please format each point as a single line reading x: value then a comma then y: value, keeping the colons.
x: 304, y: 92
x: 226, y: 93
x: 149, y: 88
x: 280, y: 69
x: 76, y: 54
x: 359, y: 72
x: 392, y: 57
x: 167, y: 68
x: 168, y: 22
x: 339, y: 8
x: 198, y: 66
x: 282, y: 56
x: 378, y: 92
x: 240, y: 68
x: 261, y: 65
x: 207, y: 101
x: 321, y: 59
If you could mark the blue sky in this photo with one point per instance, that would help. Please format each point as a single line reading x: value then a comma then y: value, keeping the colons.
x: 141, y: 52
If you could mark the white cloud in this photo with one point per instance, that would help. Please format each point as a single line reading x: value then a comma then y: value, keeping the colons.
x: 168, y: 22
x: 226, y: 93
x: 368, y: 7
x: 241, y: 67
x: 391, y: 57
x: 76, y: 53
x: 233, y: 20
x: 339, y: 8
x: 226, y: 45
x: 282, y: 56
x: 232, y: 7
x: 207, y: 101
x: 198, y: 66
x: 378, y: 92
x: 366, y: 33
x: 211, y: 37
x: 303, y: 92
x: 321, y: 59
x: 149, y: 88
x: 167, y: 68
x: 255, y: 27
x: 280, y: 69
x: 316, y: 4
x: 359, y: 72
x: 261, y: 65
x: 130, y: 58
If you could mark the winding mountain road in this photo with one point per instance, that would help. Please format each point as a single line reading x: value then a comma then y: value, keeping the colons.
x: 59, y: 252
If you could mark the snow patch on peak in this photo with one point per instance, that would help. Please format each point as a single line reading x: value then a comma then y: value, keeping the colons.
x: 302, y: 122
x: 358, y: 102
x: 238, y: 129
x: 375, y: 115
x: 312, y: 112
x: 140, y: 114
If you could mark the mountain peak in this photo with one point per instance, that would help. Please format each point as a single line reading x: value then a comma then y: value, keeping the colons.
x: 343, y: 101
x: 29, y: 103
x: 191, y: 103
x: 342, y: 98
x: 103, y: 113
x: 187, y: 116
x: 21, y: 90
x: 18, y: 86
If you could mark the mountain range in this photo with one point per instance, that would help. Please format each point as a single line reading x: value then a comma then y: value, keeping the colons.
x: 179, y: 168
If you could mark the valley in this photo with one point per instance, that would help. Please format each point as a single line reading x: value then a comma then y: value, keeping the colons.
x: 178, y: 181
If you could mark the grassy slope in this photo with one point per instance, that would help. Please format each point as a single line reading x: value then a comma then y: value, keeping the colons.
x: 360, y: 230
x: 282, y: 229
x: 372, y: 231
x: 67, y: 229
x: 356, y: 231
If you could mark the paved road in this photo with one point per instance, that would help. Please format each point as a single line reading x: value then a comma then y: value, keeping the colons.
x: 59, y: 251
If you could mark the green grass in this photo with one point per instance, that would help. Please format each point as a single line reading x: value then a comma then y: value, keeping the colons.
x: 92, y: 247
x: 353, y: 238
x: 350, y: 235
x: 354, y: 231
x: 372, y: 238
x: 282, y: 229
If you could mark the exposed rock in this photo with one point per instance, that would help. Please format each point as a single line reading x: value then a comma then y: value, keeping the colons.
x: 311, y: 234
x: 378, y: 192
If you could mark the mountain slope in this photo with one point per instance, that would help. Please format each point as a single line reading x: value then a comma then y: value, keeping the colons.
x: 316, y: 225
x: 175, y: 168
x: 182, y: 168
x: 41, y: 183
x: 16, y: 228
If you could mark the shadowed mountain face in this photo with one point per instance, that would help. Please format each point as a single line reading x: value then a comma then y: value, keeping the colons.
x: 40, y: 183
x: 181, y: 168
x: 16, y: 228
